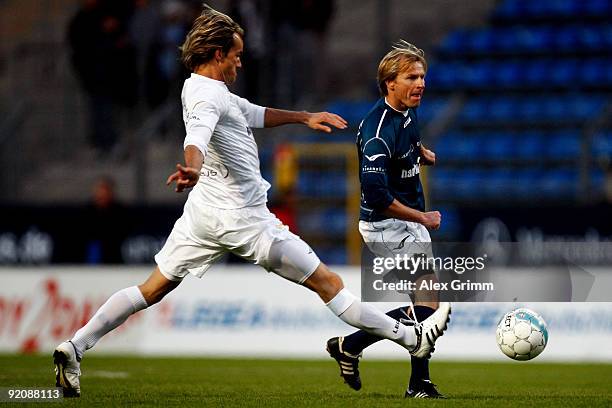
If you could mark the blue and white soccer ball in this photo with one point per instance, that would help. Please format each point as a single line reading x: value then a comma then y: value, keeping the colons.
x: 522, y: 334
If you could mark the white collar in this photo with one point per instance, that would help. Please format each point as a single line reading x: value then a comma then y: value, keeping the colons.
x: 405, y: 113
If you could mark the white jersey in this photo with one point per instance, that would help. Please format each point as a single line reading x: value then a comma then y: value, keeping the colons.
x: 218, y: 123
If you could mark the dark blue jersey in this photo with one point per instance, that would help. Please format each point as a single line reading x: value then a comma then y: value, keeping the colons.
x: 389, y: 147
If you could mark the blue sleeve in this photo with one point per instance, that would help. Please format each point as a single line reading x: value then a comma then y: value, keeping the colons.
x: 374, y: 178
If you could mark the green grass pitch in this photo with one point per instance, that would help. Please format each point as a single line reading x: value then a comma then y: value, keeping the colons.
x: 199, y: 382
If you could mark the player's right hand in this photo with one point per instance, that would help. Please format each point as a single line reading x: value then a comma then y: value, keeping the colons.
x: 432, y: 220
x: 185, y: 177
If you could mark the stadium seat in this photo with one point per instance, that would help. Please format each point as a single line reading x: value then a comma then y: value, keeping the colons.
x: 526, y: 183
x: 469, y: 183
x: 564, y: 145
x: 529, y: 145
x: 559, y: 183
x: 442, y: 182
x: 457, y: 146
x: 498, y: 183
x: 352, y: 111
x: 602, y: 145
x: 498, y: 146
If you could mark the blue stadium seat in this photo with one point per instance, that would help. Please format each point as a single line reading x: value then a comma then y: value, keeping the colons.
x: 332, y: 221
x: 526, y: 183
x: 455, y: 41
x: 335, y: 220
x: 498, y: 146
x: 482, y: 41
x: 598, y: 180
x: 561, y: 183
x: 529, y: 145
x: 597, y: 72
x: 332, y: 256
x: 352, y: 111
x: 500, y: 109
x: 469, y: 183
x: 563, y: 145
x: 322, y: 184
x: 602, y: 145
x: 498, y: 183
x: 442, y: 182
x: 458, y: 146
x: 430, y: 108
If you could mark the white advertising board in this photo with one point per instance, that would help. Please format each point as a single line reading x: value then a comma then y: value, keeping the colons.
x: 244, y: 311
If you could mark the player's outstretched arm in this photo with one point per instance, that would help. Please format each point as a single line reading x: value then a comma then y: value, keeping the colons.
x: 322, y: 121
x: 187, y: 176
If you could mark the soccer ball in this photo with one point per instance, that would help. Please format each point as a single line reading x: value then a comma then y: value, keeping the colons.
x: 522, y: 334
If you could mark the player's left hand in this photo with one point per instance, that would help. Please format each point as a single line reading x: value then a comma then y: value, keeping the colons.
x: 428, y: 158
x: 318, y: 120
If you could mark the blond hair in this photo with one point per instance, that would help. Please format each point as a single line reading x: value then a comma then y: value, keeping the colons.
x: 402, y: 55
x: 211, y: 31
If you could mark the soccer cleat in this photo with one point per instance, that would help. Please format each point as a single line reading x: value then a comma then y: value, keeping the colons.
x: 423, y: 389
x: 67, y: 369
x: 428, y: 331
x: 349, y: 363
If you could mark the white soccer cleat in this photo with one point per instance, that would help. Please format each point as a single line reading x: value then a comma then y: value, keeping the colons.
x: 430, y: 329
x: 67, y: 369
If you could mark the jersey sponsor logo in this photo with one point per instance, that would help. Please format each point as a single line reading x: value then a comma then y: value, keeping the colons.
x: 374, y: 157
x: 416, y: 169
x: 215, y: 169
x: 367, y: 169
x: 407, y: 122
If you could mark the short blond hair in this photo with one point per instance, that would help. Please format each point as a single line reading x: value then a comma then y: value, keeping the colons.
x: 402, y: 55
x: 211, y: 31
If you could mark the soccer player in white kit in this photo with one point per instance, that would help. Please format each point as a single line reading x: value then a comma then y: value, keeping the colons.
x: 226, y: 210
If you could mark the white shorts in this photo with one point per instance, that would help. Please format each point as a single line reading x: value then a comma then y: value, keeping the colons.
x: 391, y: 237
x: 203, y: 234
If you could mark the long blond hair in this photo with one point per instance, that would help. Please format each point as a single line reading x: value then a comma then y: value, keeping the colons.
x: 401, y: 56
x: 211, y: 31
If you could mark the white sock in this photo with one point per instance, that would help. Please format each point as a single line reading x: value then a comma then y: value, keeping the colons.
x: 111, y: 314
x: 366, y: 317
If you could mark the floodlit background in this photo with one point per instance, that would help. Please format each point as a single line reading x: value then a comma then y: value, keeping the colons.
x: 517, y: 108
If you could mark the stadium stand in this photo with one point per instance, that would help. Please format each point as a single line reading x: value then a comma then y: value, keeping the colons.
x: 537, y: 85
x: 532, y: 123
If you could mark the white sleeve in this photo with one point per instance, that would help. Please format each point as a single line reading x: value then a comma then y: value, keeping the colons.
x: 201, y: 121
x: 254, y: 114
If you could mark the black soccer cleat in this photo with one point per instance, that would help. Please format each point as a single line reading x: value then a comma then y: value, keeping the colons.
x: 349, y: 363
x: 423, y: 389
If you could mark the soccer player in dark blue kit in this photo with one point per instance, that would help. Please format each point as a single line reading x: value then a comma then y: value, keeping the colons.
x: 392, y: 201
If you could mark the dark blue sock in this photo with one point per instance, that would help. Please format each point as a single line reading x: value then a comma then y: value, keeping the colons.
x: 355, y: 343
x: 420, y: 366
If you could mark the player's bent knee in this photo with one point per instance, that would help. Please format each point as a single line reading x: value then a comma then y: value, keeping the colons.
x: 156, y: 287
x: 325, y: 283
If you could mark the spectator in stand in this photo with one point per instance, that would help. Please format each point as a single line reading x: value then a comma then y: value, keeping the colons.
x: 104, y: 61
x: 104, y: 221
